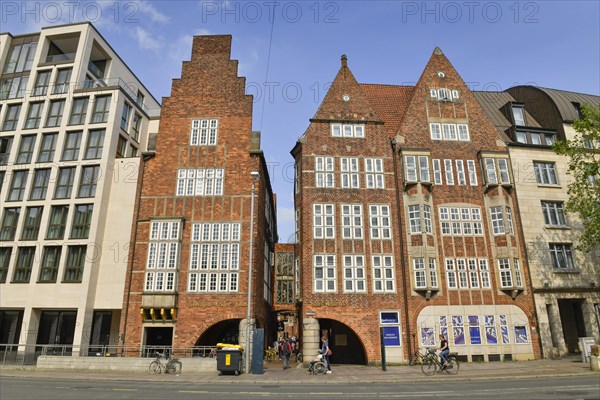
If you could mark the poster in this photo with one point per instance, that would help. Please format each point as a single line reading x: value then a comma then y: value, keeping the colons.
x: 489, y: 320
x: 389, y: 318
x: 427, y: 336
x: 491, y: 335
x: 521, y: 334
x: 504, y: 331
x: 459, y: 334
x: 475, y: 334
x: 391, y: 336
x: 444, y: 327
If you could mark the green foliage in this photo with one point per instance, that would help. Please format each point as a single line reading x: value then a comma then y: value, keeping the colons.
x: 584, y: 168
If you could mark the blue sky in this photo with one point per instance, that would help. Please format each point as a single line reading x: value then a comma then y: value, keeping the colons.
x: 493, y: 45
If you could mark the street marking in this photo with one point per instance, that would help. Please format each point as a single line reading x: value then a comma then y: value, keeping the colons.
x: 193, y: 391
x: 125, y: 390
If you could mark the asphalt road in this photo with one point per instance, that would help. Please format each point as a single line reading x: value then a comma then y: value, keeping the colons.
x: 573, y: 388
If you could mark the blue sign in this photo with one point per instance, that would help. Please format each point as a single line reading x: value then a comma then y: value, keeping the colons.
x: 389, y: 318
x: 391, y: 336
x: 475, y: 334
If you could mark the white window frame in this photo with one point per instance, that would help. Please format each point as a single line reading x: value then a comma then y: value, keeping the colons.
x: 383, y: 273
x: 545, y: 173
x: 463, y: 132
x: 324, y: 172
x: 326, y: 283
x: 437, y: 171
x: 497, y: 217
x: 323, y: 221
x: 449, y: 172
x: 352, y: 221
x: 506, y: 278
x: 460, y: 173
x: 451, y: 281
x: 380, y: 224
x: 374, y: 173
x: 419, y: 273
x: 435, y: 130
x: 204, y: 132
x: 349, y: 173
x: 472, y: 172
x: 354, y: 273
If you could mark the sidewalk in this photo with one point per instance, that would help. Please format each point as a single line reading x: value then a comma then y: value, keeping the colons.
x: 342, y: 374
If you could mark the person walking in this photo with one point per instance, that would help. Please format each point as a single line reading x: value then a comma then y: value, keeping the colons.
x: 444, y: 351
x: 286, y: 353
x: 326, y: 352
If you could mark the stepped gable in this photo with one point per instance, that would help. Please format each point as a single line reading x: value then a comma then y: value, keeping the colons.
x: 335, y: 108
x: 389, y: 102
x: 440, y: 73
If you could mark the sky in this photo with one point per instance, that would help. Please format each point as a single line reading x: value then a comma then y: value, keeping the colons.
x: 289, y: 51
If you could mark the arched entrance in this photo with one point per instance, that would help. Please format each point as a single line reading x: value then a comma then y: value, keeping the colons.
x: 222, y: 332
x: 346, y: 345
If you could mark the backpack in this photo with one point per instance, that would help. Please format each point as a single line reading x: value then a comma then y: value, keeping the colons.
x: 287, y: 348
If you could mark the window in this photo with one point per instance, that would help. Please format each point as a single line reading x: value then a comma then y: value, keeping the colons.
x: 490, y: 167
x: 204, y: 132
x: 10, y: 220
x: 26, y: 149
x: 352, y: 221
x: 47, y: 147
x: 354, y: 274
x: 509, y: 221
x: 436, y: 131
x: 463, y: 131
x: 411, y: 169
x: 20, y: 58
x: 75, y: 263
x: 518, y: 276
x: 215, y: 254
x: 139, y: 99
x: 63, y: 77
x: 133, y: 151
x: 451, y: 274
x: 383, y: 274
x: 460, y: 173
x: 497, y: 220
x: 135, y: 126
x: 34, y: 115
x: 121, y: 147
x: 101, y: 109
x: 380, y: 222
x: 433, y: 278
x: 17, y: 185
x: 461, y: 267
x: 40, y: 184
x: 424, y: 169
x: 12, y: 117
x: 5, y: 254
x: 5, y: 145
x: 324, y: 279
x: 41, y: 83
x: 449, y: 131
x: 125, y: 116
x: 518, y: 115
x: 72, y: 143
x: 554, y: 213
x: 349, y: 168
x: 473, y: 273
x: 414, y: 216
x: 484, y: 273
x: 82, y: 220
x: 437, y: 172
x: 545, y: 173
x: 57, y: 223
x: 414, y: 175
x: 31, y: 224
x: 348, y: 130
x: 506, y: 280
x: 503, y: 168
x: 472, y: 172
x: 324, y: 172
x: 201, y: 182
x: 49, y: 264
x: 64, y: 183
x: 449, y: 172
x: 374, y: 173
x: 55, y: 113
x: 79, y: 111
x: 89, y: 180
x: 13, y: 88
x: 94, y: 144
x: 562, y: 256
x: 25, y: 257
x: 323, y: 221
x: 419, y: 273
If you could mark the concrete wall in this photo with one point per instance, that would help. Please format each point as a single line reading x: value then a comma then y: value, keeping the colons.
x: 129, y: 364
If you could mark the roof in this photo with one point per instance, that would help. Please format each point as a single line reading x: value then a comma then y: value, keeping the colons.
x: 389, y: 103
x: 564, y: 102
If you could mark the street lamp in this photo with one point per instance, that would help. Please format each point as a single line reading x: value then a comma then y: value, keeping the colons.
x: 255, y: 175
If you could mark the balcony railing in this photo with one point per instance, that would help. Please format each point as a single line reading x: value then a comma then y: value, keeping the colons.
x: 129, y: 88
x: 65, y: 57
x: 95, y: 70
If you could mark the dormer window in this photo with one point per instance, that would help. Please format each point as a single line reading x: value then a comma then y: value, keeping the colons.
x: 348, y: 130
x: 518, y: 115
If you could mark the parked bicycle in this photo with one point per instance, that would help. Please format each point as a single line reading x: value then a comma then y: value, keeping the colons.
x: 432, y: 364
x: 165, y: 362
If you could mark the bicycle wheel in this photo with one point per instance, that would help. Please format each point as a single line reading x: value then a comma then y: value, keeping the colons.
x: 453, y: 365
x: 320, y: 368
x: 174, y: 367
x: 154, y: 367
x: 429, y: 366
x: 299, y: 357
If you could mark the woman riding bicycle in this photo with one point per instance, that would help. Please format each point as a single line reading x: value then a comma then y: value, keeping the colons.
x: 444, y: 350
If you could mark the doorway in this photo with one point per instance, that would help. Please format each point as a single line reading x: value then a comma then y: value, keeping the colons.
x: 571, y: 317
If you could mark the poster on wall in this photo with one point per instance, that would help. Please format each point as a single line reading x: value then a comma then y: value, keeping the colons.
x: 458, y: 330
x: 391, y: 336
x: 504, y: 329
x: 444, y: 327
x: 427, y: 336
x: 491, y: 334
x: 474, y: 329
x: 521, y: 334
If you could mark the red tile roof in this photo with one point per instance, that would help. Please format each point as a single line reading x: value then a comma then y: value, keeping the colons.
x: 389, y: 103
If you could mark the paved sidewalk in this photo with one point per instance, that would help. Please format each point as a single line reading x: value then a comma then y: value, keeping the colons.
x: 342, y: 374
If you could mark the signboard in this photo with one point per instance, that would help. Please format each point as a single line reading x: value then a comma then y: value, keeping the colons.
x: 391, y: 336
x: 389, y: 317
x: 474, y: 330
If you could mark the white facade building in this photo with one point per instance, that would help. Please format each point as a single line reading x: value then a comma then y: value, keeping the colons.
x: 74, y: 121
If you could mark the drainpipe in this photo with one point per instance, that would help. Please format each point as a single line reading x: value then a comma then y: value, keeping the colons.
x: 402, y: 260
x: 146, y: 155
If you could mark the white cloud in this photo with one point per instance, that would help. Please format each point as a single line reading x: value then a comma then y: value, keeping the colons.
x: 146, y: 8
x: 147, y: 41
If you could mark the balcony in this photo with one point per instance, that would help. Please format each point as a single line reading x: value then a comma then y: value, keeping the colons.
x: 115, y: 83
x: 95, y: 70
x: 60, y: 58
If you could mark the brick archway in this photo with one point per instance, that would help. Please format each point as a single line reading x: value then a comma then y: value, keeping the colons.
x: 226, y: 331
x: 346, y: 345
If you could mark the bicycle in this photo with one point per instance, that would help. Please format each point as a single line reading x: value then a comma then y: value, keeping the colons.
x: 271, y: 355
x: 432, y: 364
x: 170, y: 365
x: 418, y: 357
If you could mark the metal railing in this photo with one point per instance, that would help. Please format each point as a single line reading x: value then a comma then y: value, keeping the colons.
x: 129, y: 88
x: 21, y: 354
x: 60, y: 57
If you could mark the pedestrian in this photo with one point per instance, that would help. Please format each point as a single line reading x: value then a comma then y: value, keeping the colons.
x: 444, y: 351
x: 286, y: 353
x: 326, y: 352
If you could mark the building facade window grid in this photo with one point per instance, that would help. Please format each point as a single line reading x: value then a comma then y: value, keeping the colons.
x: 348, y: 130
x: 11, y: 117
x: 82, y: 219
x: 26, y: 148
x: 18, y: 185
x: 354, y: 274
x: 34, y: 115
x: 10, y: 221
x: 383, y: 274
x: 200, y: 182
x: 76, y: 257
x: 562, y: 256
x: 545, y: 173
x: 349, y: 172
x: 204, y: 132
x: 324, y: 267
x: 71, y: 146
x: 31, y: 223
x: 162, y: 261
x: 57, y: 222
x: 23, y: 264
x: 379, y: 216
x: 352, y: 221
x: 64, y: 183
x: 55, y: 113
x: 323, y: 221
x: 461, y: 221
x: 39, y: 186
x: 47, y: 147
x: 79, y: 111
x: 374, y: 173
x: 49, y: 264
x: 554, y: 213
x: 324, y: 175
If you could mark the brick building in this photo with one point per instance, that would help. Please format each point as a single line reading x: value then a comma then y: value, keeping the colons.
x: 188, y: 284
x: 407, y: 223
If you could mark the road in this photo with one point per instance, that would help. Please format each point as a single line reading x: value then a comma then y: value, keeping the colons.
x: 574, y: 388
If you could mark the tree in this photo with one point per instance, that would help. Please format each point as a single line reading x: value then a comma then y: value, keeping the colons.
x: 584, y: 167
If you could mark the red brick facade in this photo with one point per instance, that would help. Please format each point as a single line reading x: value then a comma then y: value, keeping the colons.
x: 209, y: 89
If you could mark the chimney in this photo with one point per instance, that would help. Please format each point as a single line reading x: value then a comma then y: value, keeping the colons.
x: 344, y: 61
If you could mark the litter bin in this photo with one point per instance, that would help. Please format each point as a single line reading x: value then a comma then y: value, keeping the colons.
x: 229, y: 361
